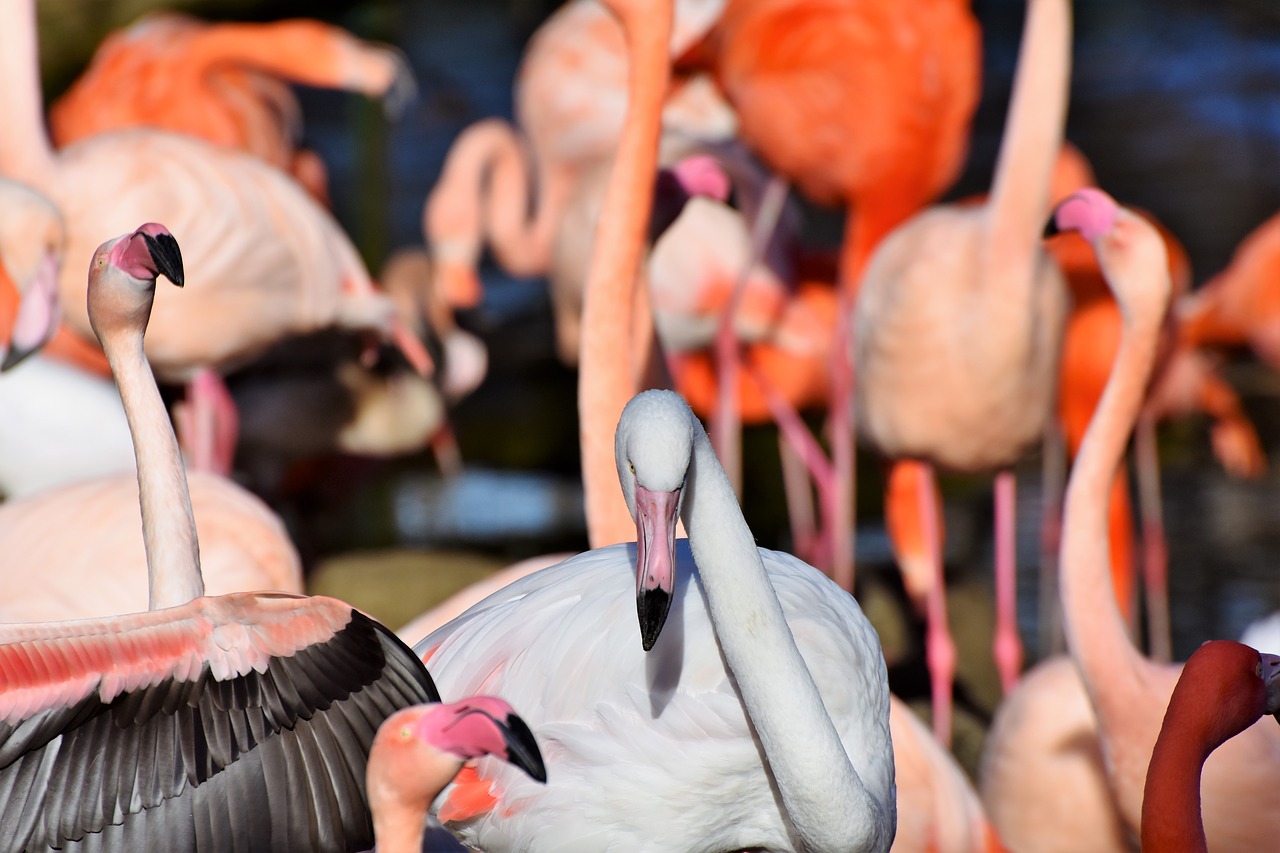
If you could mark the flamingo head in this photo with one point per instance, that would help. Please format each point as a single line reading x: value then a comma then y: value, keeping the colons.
x: 32, y: 239
x: 1089, y: 211
x: 122, y: 276
x: 423, y: 747
x: 653, y: 447
x: 1234, y: 685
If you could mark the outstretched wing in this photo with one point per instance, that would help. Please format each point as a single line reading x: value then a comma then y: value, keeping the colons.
x: 236, y: 723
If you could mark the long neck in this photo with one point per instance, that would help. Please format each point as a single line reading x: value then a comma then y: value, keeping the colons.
x: 605, y: 380
x: 168, y: 526
x: 827, y: 803
x: 1171, y: 818
x: 1115, y: 674
x: 25, y: 152
x: 1019, y: 200
x: 398, y: 827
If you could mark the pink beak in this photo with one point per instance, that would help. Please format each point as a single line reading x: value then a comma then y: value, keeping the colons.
x: 655, y: 559
x: 38, y: 314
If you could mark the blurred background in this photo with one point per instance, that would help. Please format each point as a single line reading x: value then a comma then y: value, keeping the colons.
x: 1174, y: 102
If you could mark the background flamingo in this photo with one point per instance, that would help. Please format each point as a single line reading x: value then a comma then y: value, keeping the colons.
x: 932, y: 392
x: 884, y: 93
x: 272, y: 676
x: 226, y: 83
x: 1125, y: 690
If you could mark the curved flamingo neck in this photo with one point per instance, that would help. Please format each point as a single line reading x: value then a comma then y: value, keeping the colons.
x: 484, y: 192
x: 1113, y: 670
x: 1032, y: 135
x: 605, y: 379
x: 25, y: 151
x: 168, y: 525
x: 1217, y: 696
x: 827, y: 803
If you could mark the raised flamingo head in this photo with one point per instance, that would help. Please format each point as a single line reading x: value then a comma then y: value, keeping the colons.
x: 122, y: 279
x: 1228, y: 687
x: 653, y: 447
x: 419, y: 750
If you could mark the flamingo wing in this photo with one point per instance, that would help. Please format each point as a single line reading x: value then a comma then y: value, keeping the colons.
x: 237, y: 723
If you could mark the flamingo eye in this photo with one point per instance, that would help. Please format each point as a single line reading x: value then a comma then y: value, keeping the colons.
x: 1257, y: 670
x: 405, y: 732
x: 632, y: 466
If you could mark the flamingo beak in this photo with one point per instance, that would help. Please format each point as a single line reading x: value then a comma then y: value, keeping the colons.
x: 165, y: 254
x: 1271, y: 679
x: 655, y: 559
x: 38, y: 314
x: 522, y: 749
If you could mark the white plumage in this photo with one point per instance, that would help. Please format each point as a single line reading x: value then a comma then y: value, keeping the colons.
x: 653, y: 751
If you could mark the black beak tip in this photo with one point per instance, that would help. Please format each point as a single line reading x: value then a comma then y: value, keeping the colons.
x: 14, y: 357
x: 167, y: 256
x: 1051, y: 228
x: 522, y: 748
x: 652, y: 606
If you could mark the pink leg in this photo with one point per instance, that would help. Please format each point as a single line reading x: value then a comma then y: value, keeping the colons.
x: 1155, y: 554
x: 796, y: 433
x: 209, y: 424
x: 1053, y: 484
x: 1008, y: 645
x: 726, y: 426
x: 838, y: 512
x: 940, y: 648
x: 799, y: 495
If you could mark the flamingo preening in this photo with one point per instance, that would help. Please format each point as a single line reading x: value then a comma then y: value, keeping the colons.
x: 419, y: 750
x: 235, y: 722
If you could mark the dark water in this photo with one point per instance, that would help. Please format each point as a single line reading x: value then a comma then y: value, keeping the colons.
x: 1174, y: 102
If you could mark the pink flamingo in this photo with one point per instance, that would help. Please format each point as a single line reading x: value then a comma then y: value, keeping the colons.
x: 1107, y: 749
x: 1224, y: 688
x: 263, y: 690
x: 225, y: 82
x: 419, y: 750
x: 296, y: 271
x: 929, y: 391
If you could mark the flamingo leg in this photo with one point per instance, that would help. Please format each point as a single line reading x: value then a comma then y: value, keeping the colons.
x: 726, y: 426
x: 1053, y: 485
x: 940, y: 647
x: 1007, y: 644
x: 799, y: 496
x: 209, y: 424
x: 1155, y: 555
x: 839, y: 514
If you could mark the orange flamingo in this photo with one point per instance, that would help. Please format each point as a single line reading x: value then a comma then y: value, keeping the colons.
x: 883, y: 93
x: 1125, y: 692
x: 1224, y: 688
x: 259, y: 686
x: 930, y: 390
x: 297, y: 273
x: 225, y: 83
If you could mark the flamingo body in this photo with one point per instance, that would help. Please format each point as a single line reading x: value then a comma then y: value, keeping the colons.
x: 673, y: 712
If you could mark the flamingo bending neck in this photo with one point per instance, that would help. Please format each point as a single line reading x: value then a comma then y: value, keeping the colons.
x: 662, y: 449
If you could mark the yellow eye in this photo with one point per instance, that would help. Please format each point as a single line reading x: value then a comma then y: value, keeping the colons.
x: 633, y: 468
x: 405, y: 732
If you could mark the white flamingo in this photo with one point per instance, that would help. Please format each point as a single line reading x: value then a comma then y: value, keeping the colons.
x: 759, y: 718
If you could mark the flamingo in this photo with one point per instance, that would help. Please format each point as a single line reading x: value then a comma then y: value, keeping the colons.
x: 1224, y: 688
x: 419, y: 750
x: 929, y: 391
x: 1123, y: 692
x: 512, y: 187
x: 273, y: 699
x: 296, y: 270
x: 225, y: 82
x: 767, y: 679
x: 882, y: 95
